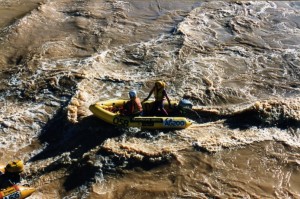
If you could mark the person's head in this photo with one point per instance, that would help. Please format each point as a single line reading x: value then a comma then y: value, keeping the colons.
x: 160, y: 84
x: 16, y: 166
x: 132, y: 94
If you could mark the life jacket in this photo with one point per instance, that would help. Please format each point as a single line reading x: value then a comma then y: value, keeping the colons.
x: 159, y: 94
x: 134, y: 106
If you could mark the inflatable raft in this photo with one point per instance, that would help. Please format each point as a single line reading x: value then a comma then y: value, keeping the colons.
x: 14, y: 191
x: 108, y: 112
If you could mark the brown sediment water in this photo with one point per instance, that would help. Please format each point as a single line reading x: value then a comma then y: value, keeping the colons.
x: 232, y: 60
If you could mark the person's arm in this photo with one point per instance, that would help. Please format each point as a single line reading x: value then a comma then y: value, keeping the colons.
x: 139, y: 104
x: 169, y: 102
x: 148, y: 95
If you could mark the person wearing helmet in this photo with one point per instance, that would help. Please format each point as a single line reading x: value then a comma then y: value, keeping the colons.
x: 133, y: 107
x: 160, y: 95
x: 14, y: 167
x: 11, y: 173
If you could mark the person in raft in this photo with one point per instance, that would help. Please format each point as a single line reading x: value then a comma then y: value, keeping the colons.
x: 133, y: 107
x: 11, y: 174
x: 160, y: 95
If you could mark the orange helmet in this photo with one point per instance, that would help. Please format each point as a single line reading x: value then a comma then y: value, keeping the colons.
x: 14, y: 166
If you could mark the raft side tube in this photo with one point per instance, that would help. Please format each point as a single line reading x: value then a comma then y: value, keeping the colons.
x: 26, y: 191
x: 16, y: 192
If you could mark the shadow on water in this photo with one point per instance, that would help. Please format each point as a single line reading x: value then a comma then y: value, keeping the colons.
x: 71, y: 145
x: 60, y: 136
x: 252, y: 118
x: 243, y: 121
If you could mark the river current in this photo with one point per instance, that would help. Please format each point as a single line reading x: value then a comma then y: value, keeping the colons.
x: 238, y: 62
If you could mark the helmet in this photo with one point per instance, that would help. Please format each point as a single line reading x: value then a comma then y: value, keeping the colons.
x: 132, y: 93
x: 160, y: 84
x: 14, y: 166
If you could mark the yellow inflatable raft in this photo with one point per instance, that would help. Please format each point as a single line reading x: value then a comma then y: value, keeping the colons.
x: 14, y: 191
x: 106, y: 111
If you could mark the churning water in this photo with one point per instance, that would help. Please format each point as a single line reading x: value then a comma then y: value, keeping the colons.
x: 237, y: 61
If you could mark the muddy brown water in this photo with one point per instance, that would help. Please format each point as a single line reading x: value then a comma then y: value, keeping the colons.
x: 238, y: 62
